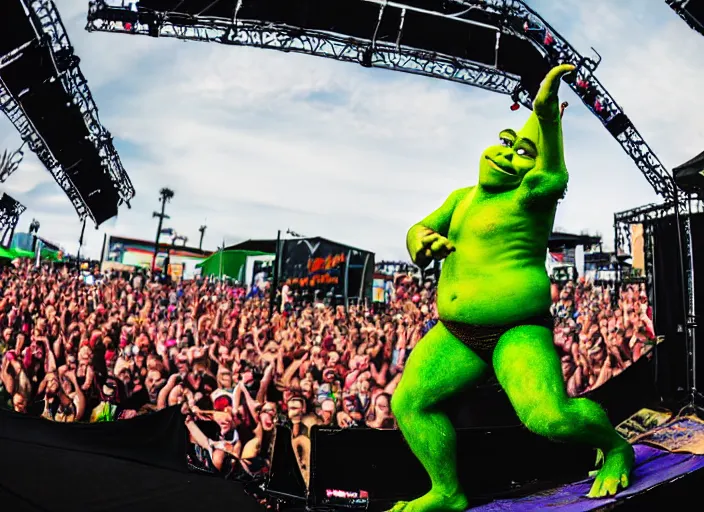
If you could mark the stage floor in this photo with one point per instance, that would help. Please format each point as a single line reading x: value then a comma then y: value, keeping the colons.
x: 669, y: 457
x: 654, y: 467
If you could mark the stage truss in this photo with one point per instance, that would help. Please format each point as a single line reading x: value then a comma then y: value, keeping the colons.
x: 643, y: 215
x: 36, y: 144
x: 514, y: 15
x: 682, y: 8
x: 77, y: 86
x: 50, y: 29
x: 10, y: 211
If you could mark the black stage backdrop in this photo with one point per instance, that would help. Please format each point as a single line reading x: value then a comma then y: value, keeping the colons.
x: 311, y: 265
x: 668, y: 305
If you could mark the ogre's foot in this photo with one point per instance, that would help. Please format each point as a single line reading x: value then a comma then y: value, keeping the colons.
x: 433, y: 502
x: 615, y: 473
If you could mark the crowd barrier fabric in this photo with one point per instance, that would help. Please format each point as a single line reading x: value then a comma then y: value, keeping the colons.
x: 157, y: 439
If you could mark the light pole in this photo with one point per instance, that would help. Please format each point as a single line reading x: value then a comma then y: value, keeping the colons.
x: 202, y: 234
x: 33, y: 230
x: 275, y: 284
x: 80, y: 241
x: 166, y: 195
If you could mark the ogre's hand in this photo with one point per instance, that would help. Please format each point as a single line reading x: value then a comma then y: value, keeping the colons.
x: 546, y: 104
x: 546, y: 112
x: 434, y: 246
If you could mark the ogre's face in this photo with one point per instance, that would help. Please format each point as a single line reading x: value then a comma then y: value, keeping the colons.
x: 502, y: 167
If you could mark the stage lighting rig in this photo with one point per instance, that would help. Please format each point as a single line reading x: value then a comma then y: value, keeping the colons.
x: 392, y: 55
x: 691, y: 11
x: 10, y: 211
x: 512, y: 46
x: 76, y: 84
x: 42, y: 88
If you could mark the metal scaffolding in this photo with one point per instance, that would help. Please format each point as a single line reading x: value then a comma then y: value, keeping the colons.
x: 680, y: 7
x: 12, y: 109
x: 47, y: 17
x: 681, y: 210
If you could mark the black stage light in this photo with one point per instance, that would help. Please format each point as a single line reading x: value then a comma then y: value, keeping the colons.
x: 690, y: 175
x: 366, y: 58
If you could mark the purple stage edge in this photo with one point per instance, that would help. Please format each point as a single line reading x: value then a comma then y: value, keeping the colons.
x: 653, y: 467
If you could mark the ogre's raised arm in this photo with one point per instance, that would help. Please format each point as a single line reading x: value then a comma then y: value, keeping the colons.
x: 549, y: 177
x: 428, y: 238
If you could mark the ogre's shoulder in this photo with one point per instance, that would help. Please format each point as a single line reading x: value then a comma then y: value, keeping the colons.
x: 460, y: 194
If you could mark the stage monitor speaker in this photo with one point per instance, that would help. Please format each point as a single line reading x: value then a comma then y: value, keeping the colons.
x: 690, y: 175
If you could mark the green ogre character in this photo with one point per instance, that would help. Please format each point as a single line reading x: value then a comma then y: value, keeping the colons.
x: 493, y: 303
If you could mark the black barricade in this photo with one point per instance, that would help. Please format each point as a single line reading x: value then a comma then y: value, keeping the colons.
x: 158, y: 439
x: 136, y: 465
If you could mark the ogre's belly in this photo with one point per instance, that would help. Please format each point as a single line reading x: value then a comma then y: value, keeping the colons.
x: 493, y: 295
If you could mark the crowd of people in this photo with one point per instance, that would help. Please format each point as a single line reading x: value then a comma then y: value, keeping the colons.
x: 600, y: 331
x: 112, y: 347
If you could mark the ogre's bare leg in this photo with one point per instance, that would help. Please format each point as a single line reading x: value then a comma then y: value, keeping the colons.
x: 528, y: 368
x: 438, y: 368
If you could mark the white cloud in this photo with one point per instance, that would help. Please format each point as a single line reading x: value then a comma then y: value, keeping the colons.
x: 255, y: 141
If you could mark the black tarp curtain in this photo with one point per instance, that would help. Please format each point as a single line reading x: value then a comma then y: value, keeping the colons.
x: 157, y: 439
x: 137, y: 464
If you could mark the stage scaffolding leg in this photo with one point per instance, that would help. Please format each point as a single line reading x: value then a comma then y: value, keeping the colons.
x: 691, y: 309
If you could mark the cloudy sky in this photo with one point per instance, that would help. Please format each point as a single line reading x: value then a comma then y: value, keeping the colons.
x: 252, y: 141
